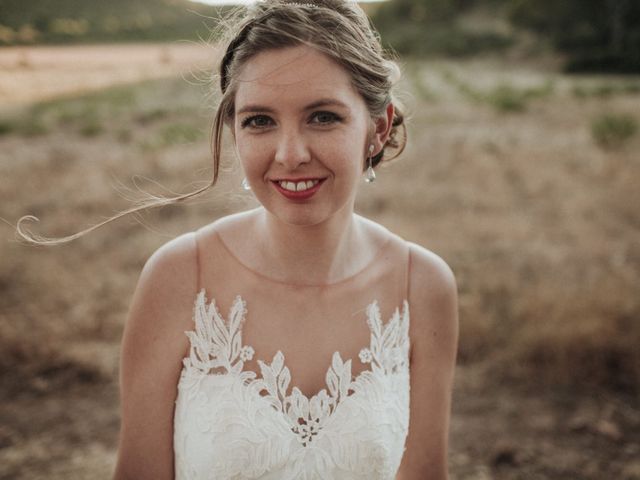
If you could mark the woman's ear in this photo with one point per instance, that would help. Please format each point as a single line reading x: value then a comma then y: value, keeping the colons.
x: 383, y: 125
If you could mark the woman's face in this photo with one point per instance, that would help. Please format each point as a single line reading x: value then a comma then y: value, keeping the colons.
x: 298, y: 119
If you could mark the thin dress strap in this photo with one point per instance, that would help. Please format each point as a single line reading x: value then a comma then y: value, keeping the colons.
x: 199, y: 283
x: 407, y: 270
x: 407, y: 291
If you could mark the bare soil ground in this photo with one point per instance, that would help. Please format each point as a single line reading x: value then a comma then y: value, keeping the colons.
x: 538, y: 221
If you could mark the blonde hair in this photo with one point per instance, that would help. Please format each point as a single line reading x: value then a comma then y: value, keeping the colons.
x: 338, y: 28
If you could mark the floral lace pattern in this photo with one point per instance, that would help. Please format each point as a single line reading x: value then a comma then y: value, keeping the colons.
x: 231, y: 424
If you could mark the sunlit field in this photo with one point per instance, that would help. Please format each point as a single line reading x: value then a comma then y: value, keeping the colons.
x: 525, y: 180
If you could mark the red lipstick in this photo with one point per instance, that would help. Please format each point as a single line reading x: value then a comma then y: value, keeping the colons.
x: 302, y: 195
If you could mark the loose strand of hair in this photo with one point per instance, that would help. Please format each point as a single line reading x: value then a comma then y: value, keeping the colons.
x: 155, y: 202
x: 35, y: 239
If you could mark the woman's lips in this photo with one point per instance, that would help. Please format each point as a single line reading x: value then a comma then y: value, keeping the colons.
x: 304, y: 194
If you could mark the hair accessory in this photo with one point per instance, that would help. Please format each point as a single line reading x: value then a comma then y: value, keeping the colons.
x: 303, y: 4
x: 245, y: 184
x: 370, y: 175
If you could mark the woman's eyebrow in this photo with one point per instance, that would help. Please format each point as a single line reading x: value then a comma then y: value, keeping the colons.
x: 326, y: 102
x: 323, y: 102
x: 255, y: 108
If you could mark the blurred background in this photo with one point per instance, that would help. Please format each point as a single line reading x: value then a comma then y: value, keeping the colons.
x: 522, y: 172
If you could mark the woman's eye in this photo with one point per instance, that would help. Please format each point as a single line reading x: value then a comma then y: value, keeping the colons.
x: 325, y: 118
x: 256, y: 121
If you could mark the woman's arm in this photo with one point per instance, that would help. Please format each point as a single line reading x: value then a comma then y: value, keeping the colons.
x: 434, y: 340
x: 153, y: 345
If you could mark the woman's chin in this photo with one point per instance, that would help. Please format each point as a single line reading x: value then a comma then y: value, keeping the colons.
x: 309, y: 212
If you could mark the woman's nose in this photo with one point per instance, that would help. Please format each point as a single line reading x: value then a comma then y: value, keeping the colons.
x: 292, y: 149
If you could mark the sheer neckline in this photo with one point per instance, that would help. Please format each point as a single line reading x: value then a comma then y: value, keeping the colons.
x: 347, y: 279
x: 216, y: 343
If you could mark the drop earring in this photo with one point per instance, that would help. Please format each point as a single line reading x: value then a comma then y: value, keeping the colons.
x: 370, y: 175
x: 245, y: 184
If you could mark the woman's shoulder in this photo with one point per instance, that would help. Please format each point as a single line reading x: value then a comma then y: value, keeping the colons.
x: 178, y: 252
x: 429, y: 271
x: 378, y: 234
x: 170, y: 272
x: 229, y: 227
x: 424, y: 263
x: 433, y: 291
x: 183, y: 249
x: 175, y: 265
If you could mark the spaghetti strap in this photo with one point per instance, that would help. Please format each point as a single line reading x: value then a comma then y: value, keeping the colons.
x: 198, y: 265
x: 407, y: 270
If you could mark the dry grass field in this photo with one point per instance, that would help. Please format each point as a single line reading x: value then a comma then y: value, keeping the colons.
x: 524, y: 180
x: 36, y: 74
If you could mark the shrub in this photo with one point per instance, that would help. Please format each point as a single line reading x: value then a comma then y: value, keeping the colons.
x: 505, y: 98
x: 6, y: 127
x: 612, y: 131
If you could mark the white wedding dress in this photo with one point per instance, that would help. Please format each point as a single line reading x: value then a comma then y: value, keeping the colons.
x: 232, y: 422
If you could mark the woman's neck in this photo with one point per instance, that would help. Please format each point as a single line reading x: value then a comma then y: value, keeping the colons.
x: 318, y: 254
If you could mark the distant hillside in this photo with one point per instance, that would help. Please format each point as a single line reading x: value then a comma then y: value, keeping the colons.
x: 82, y: 21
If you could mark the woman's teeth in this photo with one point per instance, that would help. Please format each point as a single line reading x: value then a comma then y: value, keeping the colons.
x: 298, y: 187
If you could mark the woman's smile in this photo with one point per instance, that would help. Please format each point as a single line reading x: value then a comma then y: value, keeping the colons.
x: 298, y: 189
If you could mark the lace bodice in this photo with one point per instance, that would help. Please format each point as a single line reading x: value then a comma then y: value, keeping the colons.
x: 231, y: 423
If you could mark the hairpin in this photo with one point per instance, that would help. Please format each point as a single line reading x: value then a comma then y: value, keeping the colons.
x: 303, y: 4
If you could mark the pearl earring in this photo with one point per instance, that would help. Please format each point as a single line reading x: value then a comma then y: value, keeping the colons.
x: 245, y: 184
x: 370, y: 175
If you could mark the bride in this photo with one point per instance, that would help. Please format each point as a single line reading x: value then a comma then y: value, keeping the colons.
x: 297, y: 340
x: 276, y: 343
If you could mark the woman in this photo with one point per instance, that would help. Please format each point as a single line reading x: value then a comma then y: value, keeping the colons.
x: 297, y: 360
